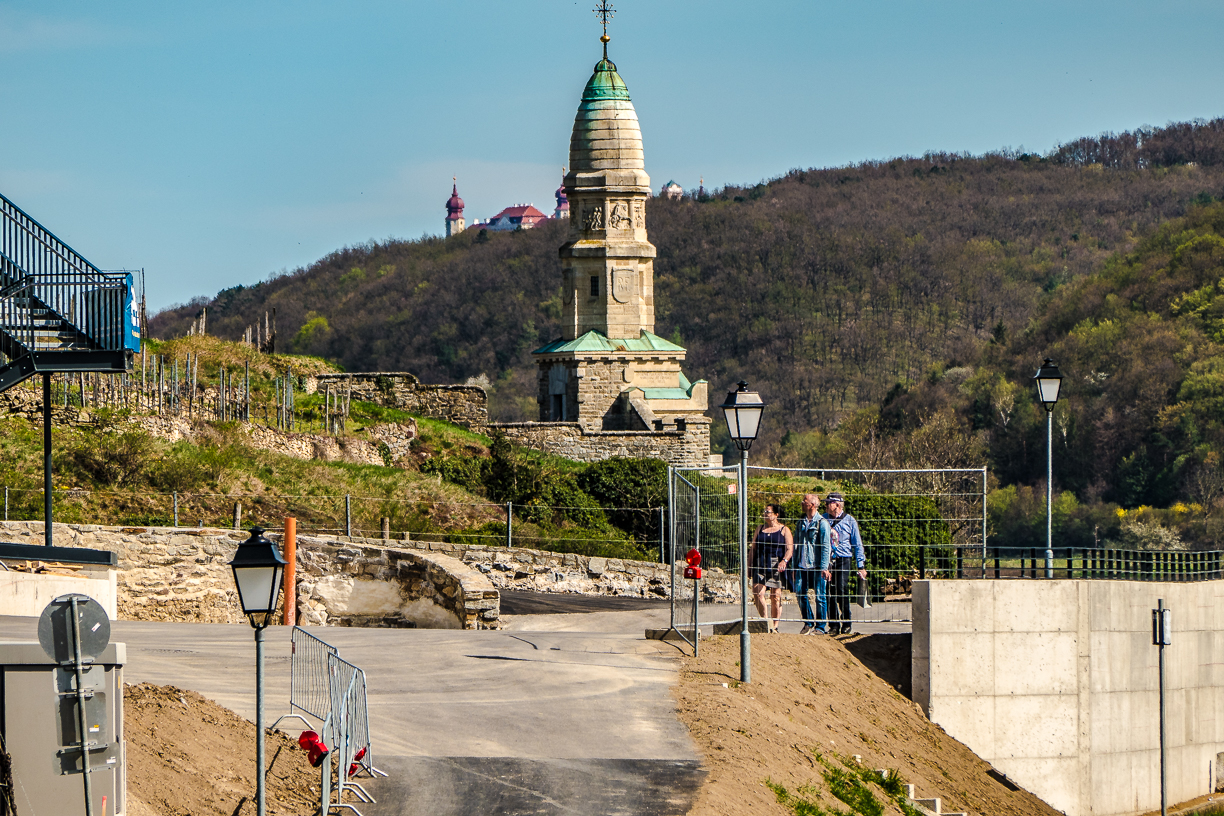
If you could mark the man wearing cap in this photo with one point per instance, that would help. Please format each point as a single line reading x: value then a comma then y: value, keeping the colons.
x: 813, y: 549
x: 847, y: 554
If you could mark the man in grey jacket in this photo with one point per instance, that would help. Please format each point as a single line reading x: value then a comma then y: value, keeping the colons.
x: 813, y: 549
x: 847, y: 552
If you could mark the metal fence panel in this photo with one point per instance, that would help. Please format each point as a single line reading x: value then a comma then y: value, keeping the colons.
x: 308, y: 674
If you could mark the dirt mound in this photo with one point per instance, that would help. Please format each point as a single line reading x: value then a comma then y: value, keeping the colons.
x: 188, y: 756
x: 811, y: 707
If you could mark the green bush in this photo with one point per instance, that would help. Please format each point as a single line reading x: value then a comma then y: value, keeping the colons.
x: 634, y: 486
x: 114, y: 458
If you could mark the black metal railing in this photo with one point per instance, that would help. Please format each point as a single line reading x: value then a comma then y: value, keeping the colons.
x: 54, y: 299
x: 1091, y: 563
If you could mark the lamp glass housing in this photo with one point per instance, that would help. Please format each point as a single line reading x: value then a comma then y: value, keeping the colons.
x: 258, y: 568
x: 1048, y: 380
x: 258, y: 588
x: 742, y: 411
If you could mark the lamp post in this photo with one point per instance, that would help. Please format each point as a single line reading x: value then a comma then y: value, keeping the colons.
x: 1048, y: 380
x: 257, y: 569
x: 743, y: 410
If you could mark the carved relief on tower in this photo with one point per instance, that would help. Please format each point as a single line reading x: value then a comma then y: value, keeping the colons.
x: 618, y: 217
x: 624, y: 284
x: 639, y: 214
x: 592, y: 218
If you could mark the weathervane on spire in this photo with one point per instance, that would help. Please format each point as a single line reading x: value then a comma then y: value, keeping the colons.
x: 605, y: 13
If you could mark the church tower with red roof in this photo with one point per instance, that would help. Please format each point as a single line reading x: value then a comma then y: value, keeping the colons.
x: 454, y: 211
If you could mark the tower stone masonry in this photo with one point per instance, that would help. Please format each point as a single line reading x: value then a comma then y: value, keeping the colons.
x: 608, y: 371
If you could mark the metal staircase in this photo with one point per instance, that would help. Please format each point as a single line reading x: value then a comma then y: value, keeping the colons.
x: 58, y: 312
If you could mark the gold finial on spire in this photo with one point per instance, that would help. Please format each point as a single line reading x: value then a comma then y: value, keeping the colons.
x: 605, y: 13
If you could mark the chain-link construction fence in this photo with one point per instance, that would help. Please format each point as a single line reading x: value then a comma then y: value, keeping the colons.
x: 913, y: 523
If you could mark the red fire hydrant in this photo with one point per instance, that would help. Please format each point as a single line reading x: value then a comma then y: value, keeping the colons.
x: 313, y: 745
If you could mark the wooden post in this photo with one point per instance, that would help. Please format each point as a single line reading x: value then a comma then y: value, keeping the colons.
x: 246, y: 394
x: 348, y: 515
x: 290, y: 570
x: 237, y: 515
x: 386, y: 528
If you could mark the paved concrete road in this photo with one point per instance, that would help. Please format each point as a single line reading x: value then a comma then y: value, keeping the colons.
x: 562, y: 713
x: 551, y: 722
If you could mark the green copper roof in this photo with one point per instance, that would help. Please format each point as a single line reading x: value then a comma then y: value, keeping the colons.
x: 685, y: 391
x: 604, y: 84
x: 595, y: 340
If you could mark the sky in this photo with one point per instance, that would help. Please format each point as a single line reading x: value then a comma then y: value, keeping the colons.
x: 221, y: 143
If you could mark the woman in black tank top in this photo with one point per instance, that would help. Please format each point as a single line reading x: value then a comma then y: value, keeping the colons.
x: 769, y: 557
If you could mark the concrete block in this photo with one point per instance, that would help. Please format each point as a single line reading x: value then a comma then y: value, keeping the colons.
x: 968, y: 719
x: 966, y: 665
x: 1034, y: 606
x: 957, y: 607
x: 1057, y: 778
x: 1034, y: 726
x: 1037, y: 663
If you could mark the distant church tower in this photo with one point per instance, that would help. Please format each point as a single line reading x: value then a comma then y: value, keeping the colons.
x: 454, y: 211
x: 562, y: 210
x: 608, y: 370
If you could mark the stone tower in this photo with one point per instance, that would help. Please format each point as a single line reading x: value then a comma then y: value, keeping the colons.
x: 608, y: 370
x: 454, y: 211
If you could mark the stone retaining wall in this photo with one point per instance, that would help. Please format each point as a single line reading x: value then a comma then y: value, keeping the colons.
x: 183, y: 574
x: 544, y: 571
x: 466, y: 405
x: 688, y: 445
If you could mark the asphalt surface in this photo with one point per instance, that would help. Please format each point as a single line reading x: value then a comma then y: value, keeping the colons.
x: 507, y: 722
x: 566, y: 710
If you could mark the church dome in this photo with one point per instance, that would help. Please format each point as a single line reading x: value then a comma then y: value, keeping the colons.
x: 606, y: 133
x: 454, y: 204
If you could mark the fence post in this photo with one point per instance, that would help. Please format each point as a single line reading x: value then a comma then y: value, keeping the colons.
x: 348, y: 515
x: 386, y: 528
x: 237, y: 515
x: 922, y: 561
x: 509, y: 524
x: 175, y: 508
x: 290, y: 570
x: 662, y: 555
x: 6, y: 502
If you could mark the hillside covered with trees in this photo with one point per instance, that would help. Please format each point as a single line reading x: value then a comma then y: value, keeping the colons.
x: 890, y: 312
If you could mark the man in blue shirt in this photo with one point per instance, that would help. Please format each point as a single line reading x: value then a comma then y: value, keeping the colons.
x: 813, y: 549
x: 847, y: 553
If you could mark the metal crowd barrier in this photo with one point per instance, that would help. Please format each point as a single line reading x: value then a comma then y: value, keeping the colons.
x: 332, y: 690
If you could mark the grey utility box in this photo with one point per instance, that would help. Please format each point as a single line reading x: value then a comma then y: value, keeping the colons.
x: 38, y: 718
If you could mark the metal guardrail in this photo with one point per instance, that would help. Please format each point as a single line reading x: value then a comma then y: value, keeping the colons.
x: 58, y: 312
x: 1090, y: 563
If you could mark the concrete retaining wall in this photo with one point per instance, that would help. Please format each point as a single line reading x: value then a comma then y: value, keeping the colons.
x: 27, y: 594
x: 1055, y: 683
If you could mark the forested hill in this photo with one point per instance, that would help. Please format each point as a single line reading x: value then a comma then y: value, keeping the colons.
x: 823, y: 288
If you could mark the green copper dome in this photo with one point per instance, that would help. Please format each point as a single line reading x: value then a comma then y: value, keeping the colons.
x: 605, y: 83
x: 606, y: 132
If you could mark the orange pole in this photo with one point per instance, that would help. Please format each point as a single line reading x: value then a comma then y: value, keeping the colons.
x: 290, y: 570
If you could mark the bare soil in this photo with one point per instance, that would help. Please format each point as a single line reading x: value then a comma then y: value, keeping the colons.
x: 812, y: 695
x: 188, y: 756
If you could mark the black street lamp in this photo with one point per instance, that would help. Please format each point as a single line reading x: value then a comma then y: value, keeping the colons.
x: 258, y: 567
x: 1048, y: 380
x: 743, y: 410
